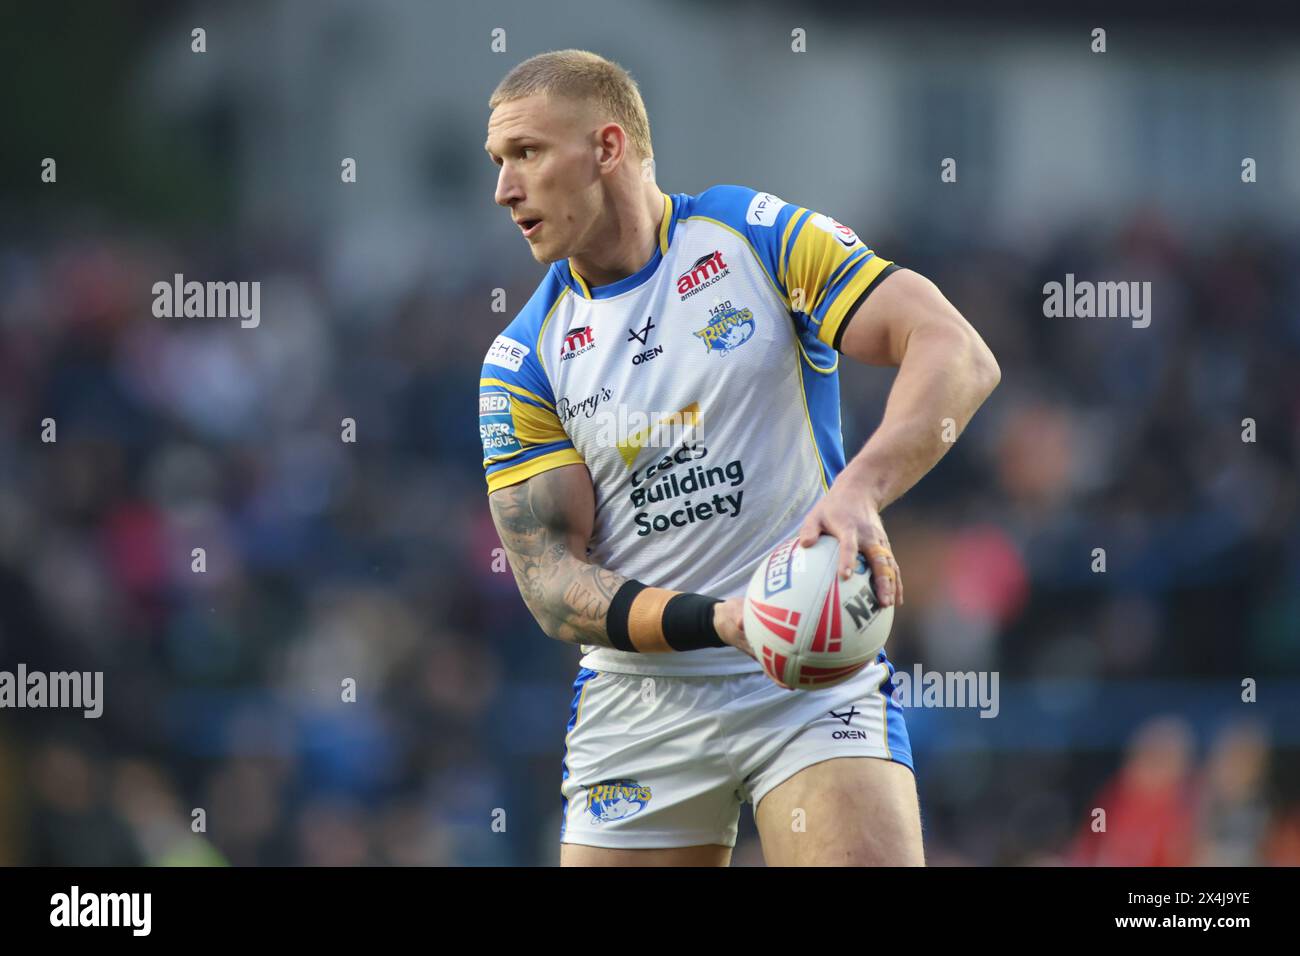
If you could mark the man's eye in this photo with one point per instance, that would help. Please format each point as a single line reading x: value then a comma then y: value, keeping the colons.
x: 526, y: 150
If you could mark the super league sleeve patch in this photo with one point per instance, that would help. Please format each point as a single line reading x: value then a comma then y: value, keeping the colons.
x: 496, y: 426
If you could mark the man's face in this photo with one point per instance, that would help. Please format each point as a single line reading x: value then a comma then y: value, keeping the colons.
x: 549, y: 177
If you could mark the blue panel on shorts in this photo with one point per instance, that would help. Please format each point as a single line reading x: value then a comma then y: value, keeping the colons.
x: 900, y: 745
x: 585, y: 674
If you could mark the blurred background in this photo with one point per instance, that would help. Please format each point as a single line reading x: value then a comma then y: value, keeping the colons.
x: 374, y: 560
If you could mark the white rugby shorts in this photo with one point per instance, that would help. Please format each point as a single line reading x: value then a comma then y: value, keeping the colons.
x: 657, y: 762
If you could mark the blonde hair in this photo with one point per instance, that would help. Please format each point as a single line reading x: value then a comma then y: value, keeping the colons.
x: 582, y: 75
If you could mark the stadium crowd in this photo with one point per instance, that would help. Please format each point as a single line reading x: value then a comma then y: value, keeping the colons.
x: 372, y: 563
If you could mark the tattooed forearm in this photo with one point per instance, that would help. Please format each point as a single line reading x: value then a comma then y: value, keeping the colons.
x: 585, y: 604
x: 568, y: 597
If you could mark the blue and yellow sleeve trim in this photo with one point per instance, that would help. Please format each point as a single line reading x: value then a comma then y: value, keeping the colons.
x: 520, y: 432
x: 519, y: 429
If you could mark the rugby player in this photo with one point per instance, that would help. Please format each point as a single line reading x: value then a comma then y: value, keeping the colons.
x: 722, y: 314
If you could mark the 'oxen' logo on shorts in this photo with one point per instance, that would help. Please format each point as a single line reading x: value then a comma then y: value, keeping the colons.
x: 848, y: 715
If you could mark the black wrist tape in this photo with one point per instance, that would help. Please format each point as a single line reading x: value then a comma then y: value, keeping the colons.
x: 688, y: 623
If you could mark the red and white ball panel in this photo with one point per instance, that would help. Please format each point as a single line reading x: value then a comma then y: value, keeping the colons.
x: 808, y: 628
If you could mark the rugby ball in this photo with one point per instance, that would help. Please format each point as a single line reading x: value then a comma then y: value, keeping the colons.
x: 807, y: 627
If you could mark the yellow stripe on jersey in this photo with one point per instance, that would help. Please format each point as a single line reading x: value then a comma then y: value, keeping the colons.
x: 535, y: 426
x: 510, y: 387
x: 586, y: 293
x: 528, y: 469
x: 813, y: 365
x: 815, y: 257
x: 838, y: 310
x: 812, y: 433
x: 861, y: 254
x: 663, y: 226
x: 785, y: 244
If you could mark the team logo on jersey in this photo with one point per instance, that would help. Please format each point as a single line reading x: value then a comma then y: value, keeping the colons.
x: 707, y: 270
x: 728, y: 328
x: 496, y: 426
x: 843, y: 233
x: 576, y: 341
x: 612, y: 800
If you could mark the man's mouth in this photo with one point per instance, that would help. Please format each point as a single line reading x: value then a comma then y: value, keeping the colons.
x: 530, y: 227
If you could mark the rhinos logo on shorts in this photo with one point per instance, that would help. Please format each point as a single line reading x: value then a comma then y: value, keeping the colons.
x: 616, y: 800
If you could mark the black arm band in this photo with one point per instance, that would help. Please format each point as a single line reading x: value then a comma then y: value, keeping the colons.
x: 616, y: 616
x: 688, y: 623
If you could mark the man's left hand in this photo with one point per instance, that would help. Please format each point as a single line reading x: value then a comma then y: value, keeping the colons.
x: 847, y: 515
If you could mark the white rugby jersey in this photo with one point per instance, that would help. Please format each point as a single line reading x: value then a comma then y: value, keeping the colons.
x: 702, y: 394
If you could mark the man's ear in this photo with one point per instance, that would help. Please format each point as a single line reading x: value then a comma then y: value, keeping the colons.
x: 612, y: 145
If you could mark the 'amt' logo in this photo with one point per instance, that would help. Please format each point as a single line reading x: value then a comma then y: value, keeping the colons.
x: 577, y: 341
x: 707, y: 270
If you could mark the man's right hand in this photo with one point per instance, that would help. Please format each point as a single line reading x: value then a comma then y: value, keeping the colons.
x: 729, y: 621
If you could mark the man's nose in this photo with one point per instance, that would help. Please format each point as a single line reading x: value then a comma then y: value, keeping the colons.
x: 508, y: 191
